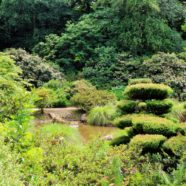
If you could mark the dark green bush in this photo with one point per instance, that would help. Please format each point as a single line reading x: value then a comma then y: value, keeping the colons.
x: 168, y: 69
x: 159, y: 107
x: 124, y: 137
x: 36, y: 70
x: 127, y: 106
x: 140, y: 80
x: 176, y: 144
x: 154, y: 125
x: 123, y: 122
x: 183, y: 127
x: 141, y: 107
x: 145, y: 91
x: 147, y: 142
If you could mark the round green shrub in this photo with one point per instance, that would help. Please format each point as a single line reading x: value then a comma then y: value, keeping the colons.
x: 145, y: 91
x: 102, y: 115
x: 123, y: 138
x: 154, y: 125
x: 89, y: 98
x: 183, y: 127
x: 127, y: 106
x: 123, y: 121
x: 142, y: 106
x: 140, y: 80
x: 147, y: 142
x: 159, y: 107
x: 176, y: 145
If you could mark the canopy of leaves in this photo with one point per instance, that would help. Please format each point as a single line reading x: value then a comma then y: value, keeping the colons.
x: 35, y: 70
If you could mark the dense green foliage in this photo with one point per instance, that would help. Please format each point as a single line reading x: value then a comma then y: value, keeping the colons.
x: 35, y: 70
x: 88, y: 96
x: 102, y: 115
x: 145, y: 98
x: 82, y: 54
x: 24, y: 23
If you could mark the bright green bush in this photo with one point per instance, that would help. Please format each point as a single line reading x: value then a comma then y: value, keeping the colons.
x: 140, y: 80
x: 89, y: 99
x: 159, y: 107
x: 44, y: 97
x: 102, y: 115
x: 123, y: 137
x: 10, y: 169
x: 176, y: 145
x: 183, y: 127
x: 154, y: 125
x: 118, y: 91
x: 127, y: 106
x: 62, y: 91
x: 123, y: 121
x: 148, y: 91
x: 147, y: 142
x: 141, y: 107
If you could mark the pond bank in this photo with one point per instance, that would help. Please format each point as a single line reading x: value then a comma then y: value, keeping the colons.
x: 72, y: 116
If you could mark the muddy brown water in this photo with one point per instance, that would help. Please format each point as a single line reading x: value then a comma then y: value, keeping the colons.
x: 87, y: 132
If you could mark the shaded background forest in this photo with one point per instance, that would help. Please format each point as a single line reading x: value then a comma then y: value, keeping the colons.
x: 104, y: 41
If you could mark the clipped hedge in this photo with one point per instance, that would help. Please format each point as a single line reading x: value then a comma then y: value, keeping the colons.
x: 148, y: 91
x: 123, y: 121
x: 147, y: 142
x: 140, y: 80
x: 176, y: 145
x: 149, y: 124
x: 123, y: 138
x: 127, y: 106
x: 159, y: 107
x: 183, y: 127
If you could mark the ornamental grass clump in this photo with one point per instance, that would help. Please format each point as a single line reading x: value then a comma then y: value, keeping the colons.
x: 143, y: 112
x: 102, y: 116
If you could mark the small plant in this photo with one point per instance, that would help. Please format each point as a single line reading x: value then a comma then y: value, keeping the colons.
x: 44, y: 98
x: 89, y: 99
x: 102, y: 115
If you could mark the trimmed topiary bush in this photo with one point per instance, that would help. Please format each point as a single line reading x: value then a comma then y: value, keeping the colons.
x: 145, y: 91
x: 176, y: 145
x: 140, y: 80
x: 147, y: 142
x: 123, y: 121
x: 159, y: 107
x: 150, y: 124
x: 127, y: 106
x: 143, y: 114
x: 183, y: 127
x: 124, y: 137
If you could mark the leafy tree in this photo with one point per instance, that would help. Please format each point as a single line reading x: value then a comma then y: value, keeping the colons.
x: 35, y: 70
x: 166, y: 68
x: 24, y: 23
x: 134, y: 26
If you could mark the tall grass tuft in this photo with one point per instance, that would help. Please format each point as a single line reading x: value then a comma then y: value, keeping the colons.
x: 102, y: 116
